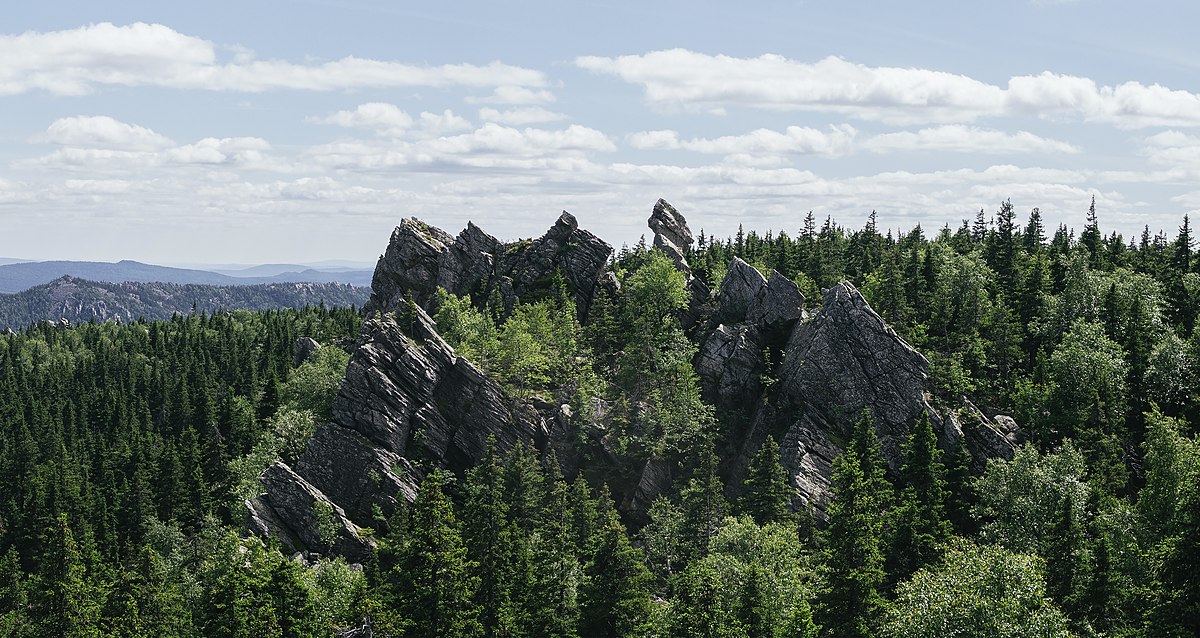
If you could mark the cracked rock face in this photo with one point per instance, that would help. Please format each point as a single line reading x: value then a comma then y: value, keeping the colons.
x: 673, y: 237
x: 671, y: 233
x: 303, y: 518
x: 420, y: 258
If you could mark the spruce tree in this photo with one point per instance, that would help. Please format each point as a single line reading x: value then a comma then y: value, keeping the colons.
x: 767, y: 495
x: 615, y: 599
x: 919, y: 523
x: 851, y: 605
x: 14, y: 600
x: 65, y: 604
x: 489, y: 534
x: 703, y: 503
x: 433, y: 582
x: 292, y: 601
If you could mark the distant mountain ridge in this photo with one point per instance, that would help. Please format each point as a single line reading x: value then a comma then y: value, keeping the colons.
x: 15, y: 277
x: 79, y: 300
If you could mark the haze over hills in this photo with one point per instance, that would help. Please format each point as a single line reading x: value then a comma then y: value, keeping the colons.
x: 15, y: 277
x: 79, y: 300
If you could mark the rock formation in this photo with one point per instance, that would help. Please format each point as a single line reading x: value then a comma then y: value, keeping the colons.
x: 769, y: 366
x: 673, y: 237
x: 420, y: 259
x: 407, y: 396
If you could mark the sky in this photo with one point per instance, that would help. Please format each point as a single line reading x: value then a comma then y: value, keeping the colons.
x: 267, y: 131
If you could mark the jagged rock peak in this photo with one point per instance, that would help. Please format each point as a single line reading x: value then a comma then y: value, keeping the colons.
x: 421, y: 258
x: 745, y: 295
x: 671, y: 233
x: 738, y: 290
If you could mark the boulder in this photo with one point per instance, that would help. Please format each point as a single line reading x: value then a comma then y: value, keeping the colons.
x: 303, y: 349
x: 303, y: 518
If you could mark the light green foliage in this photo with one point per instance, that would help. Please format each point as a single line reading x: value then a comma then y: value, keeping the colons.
x: 1088, y: 374
x: 326, y: 522
x: 976, y: 591
x: 292, y: 428
x: 1172, y: 376
x: 470, y: 332
x: 1019, y: 500
x: 655, y: 380
x: 314, y: 384
x: 337, y: 590
x: 661, y: 537
x: 1171, y: 460
x: 245, y: 471
x: 656, y: 291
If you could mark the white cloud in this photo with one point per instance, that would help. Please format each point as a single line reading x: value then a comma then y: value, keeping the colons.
x: 795, y: 139
x: 957, y: 138
x: 493, y: 138
x: 1174, y: 149
x: 845, y: 139
x: 103, y: 132
x: 522, y: 116
x: 228, y: 150
x: 446, y: 122
x: 516, y: 95
x: 687, y: 79
x: 380, y: 117
x: 77, y: 61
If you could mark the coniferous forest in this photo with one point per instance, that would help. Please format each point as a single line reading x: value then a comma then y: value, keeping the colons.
x: 128, y: 452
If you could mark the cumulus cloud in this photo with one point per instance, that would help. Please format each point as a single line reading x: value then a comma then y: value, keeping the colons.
x: 514, y: 95
x: 521, y: 116
x: 103, y: 132
x: 77, y: 61
x: 1173, y: 149
x: 957, y: 138
x: 380, y: 117
x: 687, y: 79
x: 445, y: 122
x: 794, y: 140
x: 389, y: 120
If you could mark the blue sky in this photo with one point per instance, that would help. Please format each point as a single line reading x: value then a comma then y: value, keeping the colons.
x: 266, y: 131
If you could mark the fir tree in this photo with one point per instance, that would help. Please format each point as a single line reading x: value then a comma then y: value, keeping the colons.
x: 767, y: 495
x: 433, y: 581
x: 851, y: 605
x: 615, y: 599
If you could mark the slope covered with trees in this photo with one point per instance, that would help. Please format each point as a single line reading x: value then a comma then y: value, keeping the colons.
x: 81, y: 301
x: 129, y: 449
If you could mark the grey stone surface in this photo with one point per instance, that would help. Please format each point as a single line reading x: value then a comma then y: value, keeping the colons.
x: 420, y: 258
x: 289, y: 510
x: 303, y: 349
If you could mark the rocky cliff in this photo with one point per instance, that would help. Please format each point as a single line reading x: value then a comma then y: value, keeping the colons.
x: 408, y: 401
x: 768, y: 364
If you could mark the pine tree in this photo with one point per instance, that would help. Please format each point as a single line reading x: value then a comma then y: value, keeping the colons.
x: 919, y: 523
x: 65, y: 603
x: 433, y: 582
x: 615, y: 598
x: 851, y: 605
x: 767, y: 495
